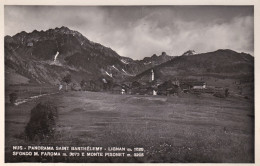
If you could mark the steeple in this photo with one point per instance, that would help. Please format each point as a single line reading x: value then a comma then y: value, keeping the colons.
x: 152, y: 75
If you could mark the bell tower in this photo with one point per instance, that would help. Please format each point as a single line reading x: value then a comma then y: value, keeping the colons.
x: 152, y: 78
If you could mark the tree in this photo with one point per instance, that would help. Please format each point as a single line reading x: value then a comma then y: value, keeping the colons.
x: 226, y: 92
x: 82, y: 83
x: 13, y: 97
x: 107, y: 85
x: 67, y: 80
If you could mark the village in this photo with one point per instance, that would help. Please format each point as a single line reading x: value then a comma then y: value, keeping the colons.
x: 152, y: 86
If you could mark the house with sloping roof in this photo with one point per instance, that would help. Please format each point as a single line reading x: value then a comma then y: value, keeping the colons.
x: 193, y: 85
x: 198, y: 85
x: 168, y: 88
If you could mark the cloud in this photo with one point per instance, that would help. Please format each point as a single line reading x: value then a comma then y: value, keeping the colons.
x: 236, y: 34
x: 147, y: 37
x: 138, y: 32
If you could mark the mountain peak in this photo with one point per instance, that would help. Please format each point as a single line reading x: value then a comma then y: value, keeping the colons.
x: 226, y: 50
x: 189, y: 52
x: 66, y: 30
x: 62, y: 28
x: 22, y: 33
x: 163, y: 54
x: 154, y: 56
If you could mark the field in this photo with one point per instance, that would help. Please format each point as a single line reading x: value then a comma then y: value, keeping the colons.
x: 181, y: 129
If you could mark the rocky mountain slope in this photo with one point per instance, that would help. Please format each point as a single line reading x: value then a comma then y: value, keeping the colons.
x: 221, y: 68
x: 138, y: 66
x: 226, y: 63
x: 47, y: 56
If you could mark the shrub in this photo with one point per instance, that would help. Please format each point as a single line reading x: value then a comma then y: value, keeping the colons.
x: 67, y: 80
x: 13, y: 97
x: 220, y: 95
x: 42, y: 121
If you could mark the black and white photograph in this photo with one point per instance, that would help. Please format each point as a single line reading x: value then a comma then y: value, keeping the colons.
x: 129, y: 84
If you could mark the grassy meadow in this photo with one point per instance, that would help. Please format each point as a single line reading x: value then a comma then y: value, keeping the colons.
x: 181, y: 129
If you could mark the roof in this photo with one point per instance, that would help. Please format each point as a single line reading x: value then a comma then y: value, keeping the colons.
x: 197, y: 83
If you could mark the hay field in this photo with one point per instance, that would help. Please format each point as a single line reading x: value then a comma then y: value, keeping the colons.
x: 180, y: 129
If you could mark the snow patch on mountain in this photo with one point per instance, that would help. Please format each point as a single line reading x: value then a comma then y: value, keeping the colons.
x: 115, y: 67
x: 124, y: 71
x: 55, y: 61
x: 122, y: 60
x: 189, y: 52
x: 110, y: 75
x: 55, y: 57
x: 127, y: 73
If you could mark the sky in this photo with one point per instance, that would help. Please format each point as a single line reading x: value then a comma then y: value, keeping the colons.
x: 141, y: 31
